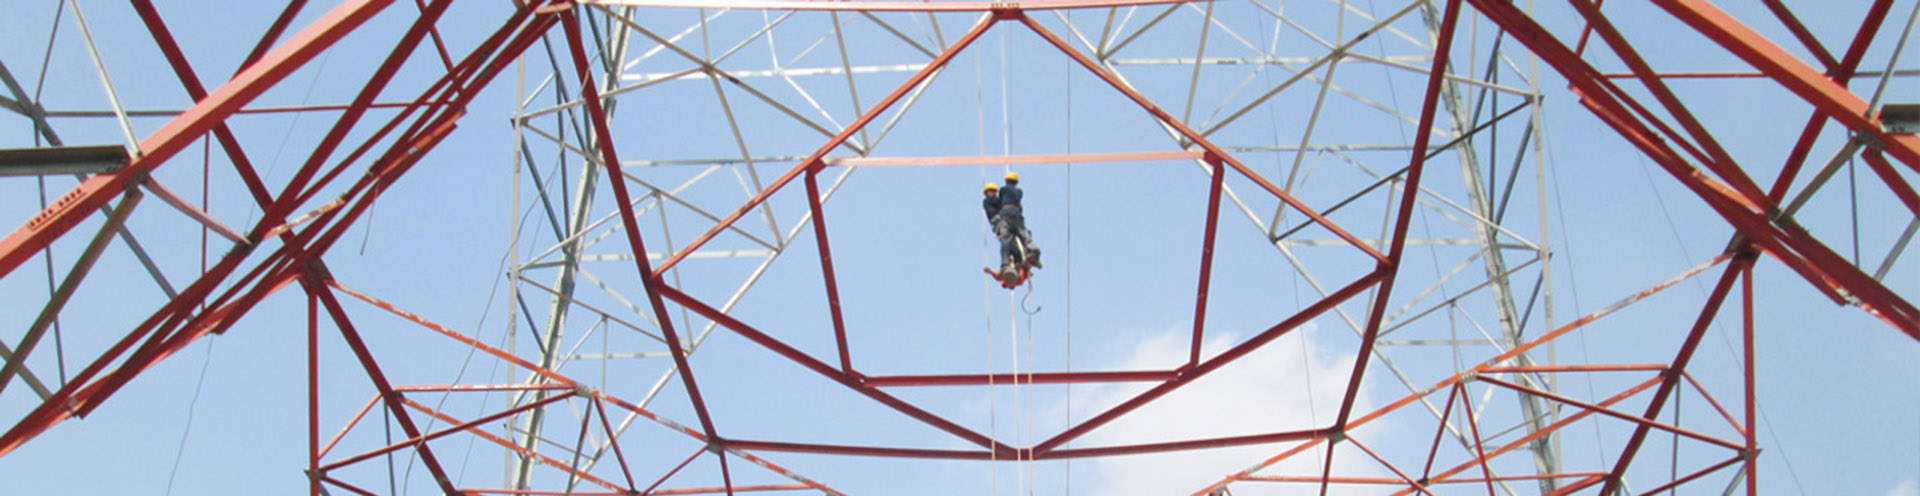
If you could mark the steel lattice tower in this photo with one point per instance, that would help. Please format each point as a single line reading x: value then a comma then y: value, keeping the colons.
x: 667, y: 155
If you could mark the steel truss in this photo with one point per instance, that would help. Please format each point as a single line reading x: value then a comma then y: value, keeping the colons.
x: 595, y: 58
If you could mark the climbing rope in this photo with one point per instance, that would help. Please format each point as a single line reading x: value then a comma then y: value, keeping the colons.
x: 986, y: 290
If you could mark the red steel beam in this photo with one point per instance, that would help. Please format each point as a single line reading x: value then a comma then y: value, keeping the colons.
x: 1825, y: 94
x: 832, y: 449
x: 1396, y: 482
x: 826, y: 270
x: 357, y: 108
x: 1479, y: 443
x: 174, y: 325
x: 597, y: 115
x: 1390, y: 266
x: 1442, y: 50
x: 348, y: 487
x: 1671, y: 378
x: 1717, y: 159
x: 1189, y: 374
x: 614, y: 441
x: 1901, y: 190
x: 184, y: 70
x: 1752, y: 453
x: 881, y: 5
x: 726, y: 476
x: 730, y: 489
x: 1724, y: 414
x: 1551, y: 428
x: 517, y: 449
x: 422, y: 439
x: 568, y: 383
x: 1416, y: 485
x: 1439, y: 430
x: 676, y: 469
x: 1222, y: 442
x: 393, y: 399
x: 162, y: 343
x: 1642, y: 422
x: 1026, y: 378
x: 976, y: 160
x: 1842, y: 73
x: 82, y: 201
x: 1821, y: 266
x: 313, y: 396
x: 851, y: 381
x: 273, y: 32
x: 1563, y: 330
x: 1801, y: 33
x: 351, y: 422
x: 1219, y: 174
x: 1690, y: 477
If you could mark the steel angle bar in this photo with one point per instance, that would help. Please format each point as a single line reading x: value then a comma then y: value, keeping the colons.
x: 723, y: 74
x: 174, y: 200
x: 1899, y: 247
x: 896, y: 33
x: 878, y: 5
x: 623, y: 257
x: 1410, y: 242
x: 652, y: 78
x: 58, y: 300
x: 813, y: 160
x: 74, y: 160
x: 1189, y: 133
x: 106, y: 82
x: 598, y: 311
x: 656, y: 194
x: 1428, y: 196
x: 1123, y: 42
x: 1394, y: 62
x: 1397, y: 323
x: 746, y: 156
x: 33, y: 381
x: 1337, y: 52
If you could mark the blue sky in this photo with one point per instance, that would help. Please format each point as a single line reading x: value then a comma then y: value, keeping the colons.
x: 1122, y: 250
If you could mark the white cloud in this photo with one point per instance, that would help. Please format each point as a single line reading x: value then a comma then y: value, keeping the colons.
x: 1909, y: 487
x: 1276, y: 388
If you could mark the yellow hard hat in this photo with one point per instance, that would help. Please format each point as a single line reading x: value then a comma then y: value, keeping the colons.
x: 992, y: 186
x: 1013, y: 176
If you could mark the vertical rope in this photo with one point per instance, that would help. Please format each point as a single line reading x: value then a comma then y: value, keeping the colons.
x: 1069, y: 409
x: 986, y: 290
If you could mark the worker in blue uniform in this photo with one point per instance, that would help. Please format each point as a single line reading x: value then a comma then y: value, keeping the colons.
x: 1011, y: 225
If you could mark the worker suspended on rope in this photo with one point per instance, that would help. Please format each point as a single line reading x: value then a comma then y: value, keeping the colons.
x: 1018, y: 253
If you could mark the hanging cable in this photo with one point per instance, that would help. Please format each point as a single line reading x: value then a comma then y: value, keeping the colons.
x: 1069, y: 409
x: 986, y: 289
